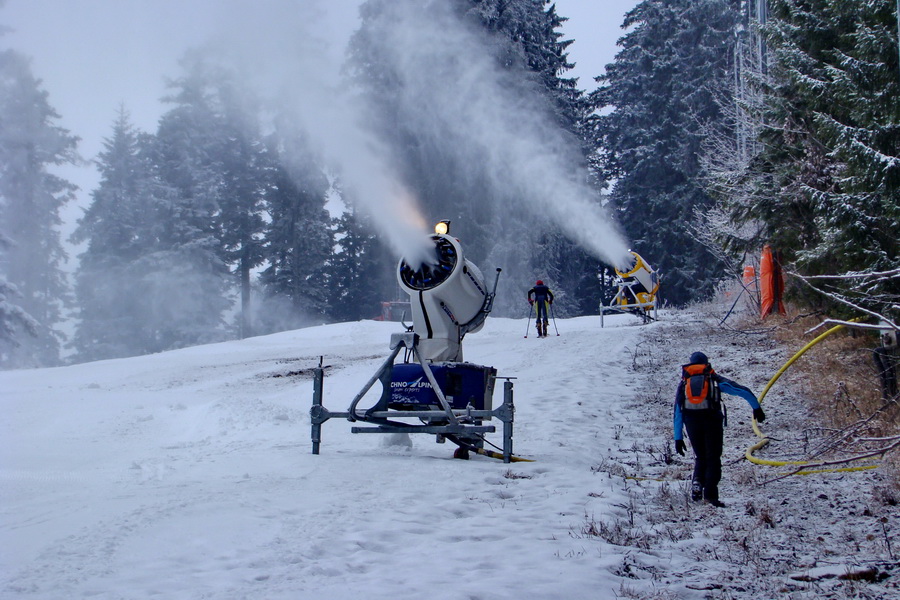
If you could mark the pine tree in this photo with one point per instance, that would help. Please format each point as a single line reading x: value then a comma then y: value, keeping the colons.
x: 834, y: 145
x: 245, y: 169
x: 30, y: 200
x: 187, y: 278
x: 299, y: 241
x: 361, y: 271
x: 675, y: 60
x: 14, y: 320
x: 532, y: 28
x: 120, y: 228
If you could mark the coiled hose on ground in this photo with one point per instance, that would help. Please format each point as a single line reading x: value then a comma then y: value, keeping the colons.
x: 799, y: 464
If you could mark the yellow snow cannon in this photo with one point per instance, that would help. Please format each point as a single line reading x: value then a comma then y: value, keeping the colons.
x: 637, y: 291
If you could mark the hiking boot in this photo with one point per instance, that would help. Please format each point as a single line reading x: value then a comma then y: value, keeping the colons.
x: 717, y: 503
x: 696, y: 492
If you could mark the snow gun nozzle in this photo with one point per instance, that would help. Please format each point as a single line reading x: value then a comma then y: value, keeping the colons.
x: 626, y: 262
x: 451, y: 298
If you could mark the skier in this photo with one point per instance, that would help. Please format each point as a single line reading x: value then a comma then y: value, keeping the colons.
x: 542, y: 299
x: 698, y: 407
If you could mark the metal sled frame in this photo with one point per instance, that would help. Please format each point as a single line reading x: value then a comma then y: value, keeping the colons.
x: 453, y: 423
x: 638, y: 302
x: 641, y: 309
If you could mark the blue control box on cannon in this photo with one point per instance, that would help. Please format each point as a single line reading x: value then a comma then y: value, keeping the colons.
x: 463, y: 384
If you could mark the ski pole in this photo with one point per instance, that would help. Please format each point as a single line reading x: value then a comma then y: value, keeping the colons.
x: 528, y: 324
x: 552, y: 314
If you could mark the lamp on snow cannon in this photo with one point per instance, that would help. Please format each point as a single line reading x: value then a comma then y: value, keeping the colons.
x: 432, y: 385
x: 637, y: 290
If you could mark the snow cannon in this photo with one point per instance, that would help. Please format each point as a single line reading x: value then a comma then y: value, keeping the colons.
x: 448, y: 298
x: 636, y: 293
x: 432, y: 390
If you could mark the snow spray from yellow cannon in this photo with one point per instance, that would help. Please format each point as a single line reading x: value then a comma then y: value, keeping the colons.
x: 456, y: 94
x: 432, y: 390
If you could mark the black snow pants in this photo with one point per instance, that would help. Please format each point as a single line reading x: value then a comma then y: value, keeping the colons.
x: 540, y: 305
x: 705, y: 430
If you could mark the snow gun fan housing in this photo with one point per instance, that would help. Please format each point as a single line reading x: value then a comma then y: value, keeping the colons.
x: 637, y: 290
x: 643, y: 281
x: 448, y: 298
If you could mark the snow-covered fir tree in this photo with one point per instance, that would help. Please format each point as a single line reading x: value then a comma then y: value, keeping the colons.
x: 361, y: 273
x: 35, y: 289
x: 299, y: 239
x: 229, y: 165
x: 532, y: 28
x: 187, y: 278
x: 244, y: 169
x: 676, y: 58
x: 120, y: 228
x: 14, y: 320
x: 833, y: 141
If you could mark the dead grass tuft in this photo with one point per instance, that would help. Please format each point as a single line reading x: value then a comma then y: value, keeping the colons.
x: 887, y: 493
x: 839, y: 378
x: 838, y: 372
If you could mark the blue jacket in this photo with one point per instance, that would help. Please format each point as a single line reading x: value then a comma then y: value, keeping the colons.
x: 727, y: 386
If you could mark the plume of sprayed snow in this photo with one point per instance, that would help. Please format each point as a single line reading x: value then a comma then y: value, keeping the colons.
x: 290, y: 57
x: 363, y: 165
x: 452, y: 88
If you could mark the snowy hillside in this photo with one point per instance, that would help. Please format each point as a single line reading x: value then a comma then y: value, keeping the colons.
x: 188, y: 474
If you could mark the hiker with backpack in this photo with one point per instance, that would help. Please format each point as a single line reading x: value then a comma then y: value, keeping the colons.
x: 542, y: 300
x: 699, y: 409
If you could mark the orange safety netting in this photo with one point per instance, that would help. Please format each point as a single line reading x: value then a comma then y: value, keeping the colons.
x: 771, y: 282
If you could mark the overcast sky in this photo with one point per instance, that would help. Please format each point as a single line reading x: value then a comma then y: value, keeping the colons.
x: 95, y: 55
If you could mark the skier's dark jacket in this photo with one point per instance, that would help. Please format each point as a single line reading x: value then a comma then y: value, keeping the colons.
x: 725, y: 385
x: 541, y: 293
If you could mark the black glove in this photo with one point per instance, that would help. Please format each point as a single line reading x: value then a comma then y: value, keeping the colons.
x: 759, y: 415
x: 680, y: 447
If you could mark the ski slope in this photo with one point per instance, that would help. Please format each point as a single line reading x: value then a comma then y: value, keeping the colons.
x: 188, y: 474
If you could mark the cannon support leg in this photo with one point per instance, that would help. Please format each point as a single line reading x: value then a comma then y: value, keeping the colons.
x: 315, y: 413
x: 507, y: 414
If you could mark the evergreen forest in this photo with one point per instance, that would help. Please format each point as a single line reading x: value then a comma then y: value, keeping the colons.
x: 721, y: 126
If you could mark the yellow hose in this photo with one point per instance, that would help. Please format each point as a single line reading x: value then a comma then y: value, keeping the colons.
x: 764, y: 440
x: 499, y: 455
x: 841, y: 470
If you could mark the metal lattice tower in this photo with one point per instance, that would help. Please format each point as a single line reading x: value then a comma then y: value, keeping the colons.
x: 750, y: 65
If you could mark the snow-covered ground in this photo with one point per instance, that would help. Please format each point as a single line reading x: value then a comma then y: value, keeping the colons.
x: 189, y: 474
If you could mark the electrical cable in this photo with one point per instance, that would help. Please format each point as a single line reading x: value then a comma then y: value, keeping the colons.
x: 483, y: 452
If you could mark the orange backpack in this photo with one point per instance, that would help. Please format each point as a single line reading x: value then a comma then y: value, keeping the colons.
x: 700, y: 389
